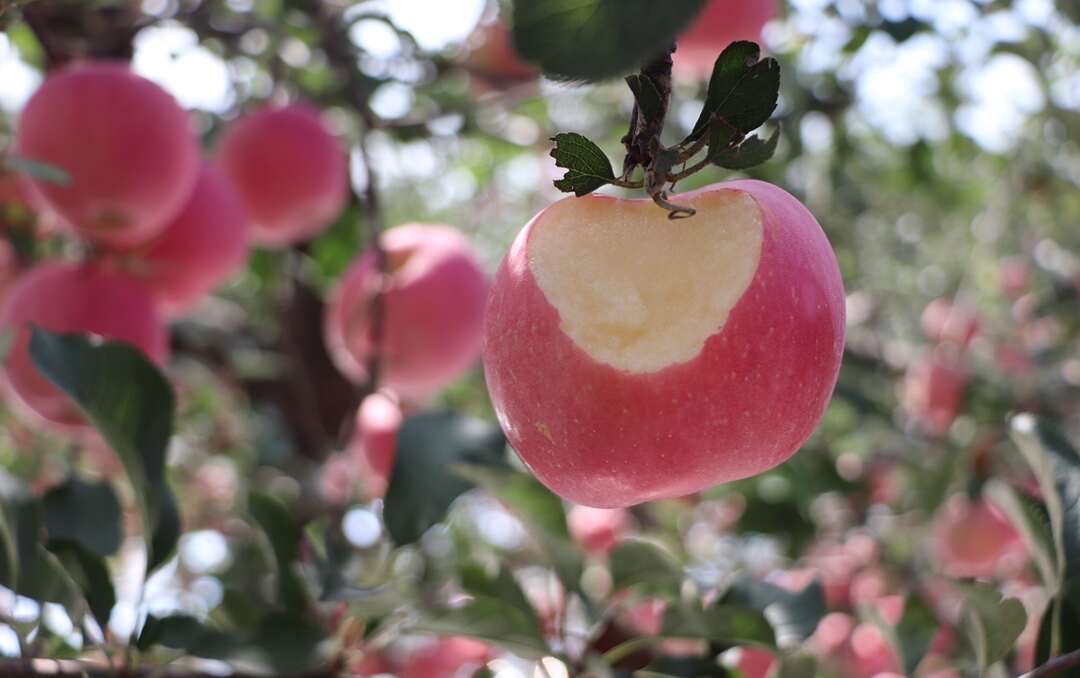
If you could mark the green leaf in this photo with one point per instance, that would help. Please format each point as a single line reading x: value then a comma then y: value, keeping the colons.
x: 131, y: 404
x: 646, y: 565
x: 541, y: 511
x: 284, y: 536
x: 37, y: 170
x: 21, y: 529
x: 725, y: 624
x: 742, y: 91
x: 587, y: 168
x: 597, y: 39
x: 1032, y: 521
x: 797, y: 666
x: 488, y: 619
x: 89, y: 572
x: 649, y: 100
x: 422, y: 487
x: 992, y: 624
x: 477, y: 582
x: 749, y: 153
x: 84, y: 513
x: 794, y: 616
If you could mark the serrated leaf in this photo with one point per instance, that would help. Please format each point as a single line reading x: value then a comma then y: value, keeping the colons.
x: 645, y: 565
x: 743, y: 91
x: 422, y: 486
x: 751, y: 152
x: 725, y: 624
x: 490, y: 620
x: 794, y: 616
x: 992, y: 623
x: 649, y: 100
x: 281, y: 531
x: 132, y: 405
x: 597, y: 39
x: 84, y: 513
x: 587, y: 168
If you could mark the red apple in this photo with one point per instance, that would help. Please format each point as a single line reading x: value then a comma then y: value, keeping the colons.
x: 719, y: 24
x: 64, y: 297
x: 750, y: 662
x: 447, y: 658
x: 374, y: 443
x: 595, y: 529
x: 630, y: 357
x: 199, y: 249
x: 976, y: 540
x: 290, y: 170
x: 337, y: 479
x: 933, y: 391
x: 126, y: 146
x: 946, y: 321
x: 494, y: 59
x: 434, y: 304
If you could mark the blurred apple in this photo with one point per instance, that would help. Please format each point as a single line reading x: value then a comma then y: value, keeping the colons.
x: 493, y: 59
x: 374, y: 442
x: 933, y: 391
x: 596, y: 530
x: 946, y: 321
x: 719, y: 24
x: 975, y: 539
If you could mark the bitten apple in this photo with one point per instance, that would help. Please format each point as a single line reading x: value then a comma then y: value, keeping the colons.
x: 630, y: 357
x: 201, y: 247
x: 434, y: 304
x: 128, y: 149
x: 290, y: 170
x: 721, y: 23
x: 64, y: 297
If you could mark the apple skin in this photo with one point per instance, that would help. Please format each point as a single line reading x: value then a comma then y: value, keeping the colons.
x: 975, y: 539
x: 446, y: 657
x: 291, y: 171
x: 597, y: 530
x: 719, y: 24
x: 949, y: 322
x: 494, y: 59
x: 374, y: 443
x: 199, y: 249
x: 933, y: 391
x: 64, y: 297
x: 744, y: 404
x: 127, y: 146
x: 434, y: 306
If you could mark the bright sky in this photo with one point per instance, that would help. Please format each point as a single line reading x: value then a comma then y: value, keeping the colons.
x: 894, y: 84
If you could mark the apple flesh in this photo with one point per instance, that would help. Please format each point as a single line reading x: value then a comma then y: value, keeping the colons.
x: 434, y: 297
x: 719, y: 24
x: 631, y: 358
x: 290, y: 170
x: 199, y: 249
x: 70, y: 298
x: 127, y: 147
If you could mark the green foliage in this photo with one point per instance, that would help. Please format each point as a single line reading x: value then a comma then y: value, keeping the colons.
x: 597, y: 39
x: 587, y: 168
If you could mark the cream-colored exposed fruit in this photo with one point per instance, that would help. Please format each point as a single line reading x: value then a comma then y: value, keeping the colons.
x: 630, y: 357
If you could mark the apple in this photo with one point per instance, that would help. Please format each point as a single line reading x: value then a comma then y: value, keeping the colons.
x: 630, y: 357
x: 374, y: 443
x: 64, y: 297
x: 750, y: 662
x: 337, y: 479
x: 976, y: 540
x: 447, y: 658
x: 719, y: 24
x: 493, y: 58
x: 200, y: 248
x: 933, y: 391
x: 947, y: 321
x: 290, y: 170
x: 434, y: 295
x: 127, y: 147
x: 595, y: 529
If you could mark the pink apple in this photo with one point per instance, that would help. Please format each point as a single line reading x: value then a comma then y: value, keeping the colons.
x: 750, y: 662
x: 434, y: 304
x: 947, y: 321
x: 976, y: 540
x: 719, y: 24
x: 447, y: 658
x: 595, y: 529
x: 200, y: 248
x: 374, y: 443
x: 933, y: 391
x: 290, y: 170
x: 127, y: 147
x: 64, y: 297
x: 630, y: 357
x: 493, y: 58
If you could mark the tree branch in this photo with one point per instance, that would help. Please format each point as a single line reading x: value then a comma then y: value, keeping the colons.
x: 1055, y: 666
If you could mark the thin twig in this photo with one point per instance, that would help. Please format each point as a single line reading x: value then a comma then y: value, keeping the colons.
x: 1055, y: 666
